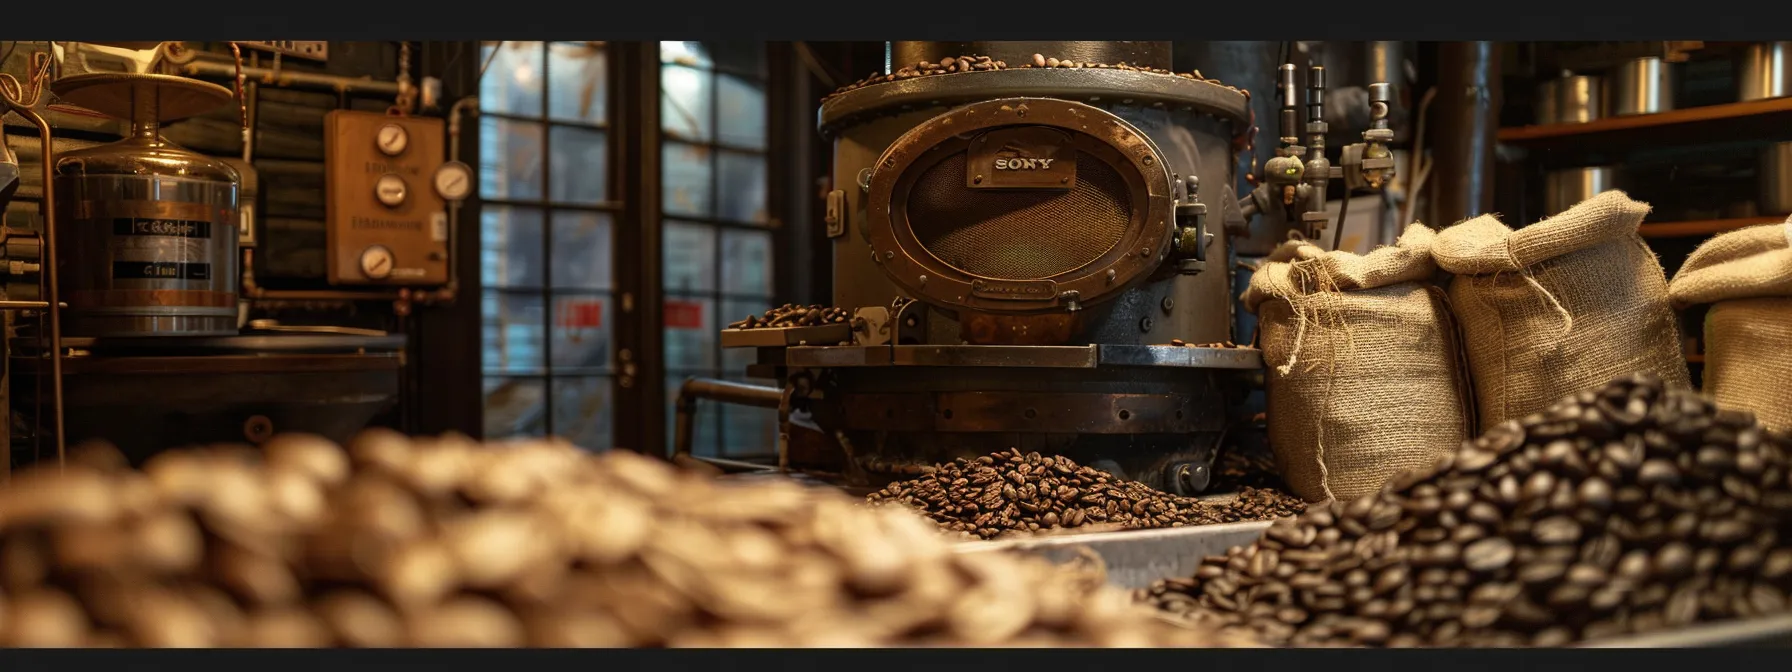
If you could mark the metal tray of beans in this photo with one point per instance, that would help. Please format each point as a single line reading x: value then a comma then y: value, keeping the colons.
x: 1137, y: 558
x: 780, y: 337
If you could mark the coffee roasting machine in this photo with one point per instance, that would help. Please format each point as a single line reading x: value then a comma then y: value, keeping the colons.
x: 146, y: 261
x: 1030, y: 245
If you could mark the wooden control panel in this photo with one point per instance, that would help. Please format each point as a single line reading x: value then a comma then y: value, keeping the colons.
x: 388, y: 224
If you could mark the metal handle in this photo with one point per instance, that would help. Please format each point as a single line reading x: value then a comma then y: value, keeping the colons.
x: 724, y: 391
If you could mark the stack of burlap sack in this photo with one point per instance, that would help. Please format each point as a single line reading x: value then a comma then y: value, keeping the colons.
x: 1746, y: 279
x: 1374, y: 368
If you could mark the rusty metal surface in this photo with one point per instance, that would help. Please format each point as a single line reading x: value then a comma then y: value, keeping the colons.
x: 114, y: 94
x: 1007, y: 411
x: 1181, y: 356
x: 1124, y: 86
x: 1029, y: 356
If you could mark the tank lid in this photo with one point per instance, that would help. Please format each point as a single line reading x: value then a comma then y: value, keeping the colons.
x: 114, y: 94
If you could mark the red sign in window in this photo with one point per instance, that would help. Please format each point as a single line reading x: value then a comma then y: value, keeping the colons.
x: 684, y: 315
x: 581, y: 314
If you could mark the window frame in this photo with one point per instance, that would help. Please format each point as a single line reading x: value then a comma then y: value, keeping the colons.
x: 547, y: 374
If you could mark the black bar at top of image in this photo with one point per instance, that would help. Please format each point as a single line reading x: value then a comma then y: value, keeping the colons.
x: 1035, y: 20
x: 891, y: 660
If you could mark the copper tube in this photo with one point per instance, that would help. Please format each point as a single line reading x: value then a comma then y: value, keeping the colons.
x: 254, y: 291
x: 53, y: 304
x: 684, y: 431
x: 288, y: 78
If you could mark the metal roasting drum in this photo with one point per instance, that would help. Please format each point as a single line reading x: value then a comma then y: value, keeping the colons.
x: 148, y: 230
x: 1025, y: 236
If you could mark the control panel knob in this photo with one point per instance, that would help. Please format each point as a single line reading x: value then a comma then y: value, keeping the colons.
x: 377, y: 262
x: 392, y: 139
x: 390, y: 190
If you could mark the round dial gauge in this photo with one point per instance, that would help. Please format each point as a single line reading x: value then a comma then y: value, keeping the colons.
x: 377, y: 263
x: 392, y: 139
x: 391, y: 190
x: 454, y: 181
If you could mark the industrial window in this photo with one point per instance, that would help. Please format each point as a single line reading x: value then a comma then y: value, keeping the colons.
x: 546, y: 217
x: 717, y: 240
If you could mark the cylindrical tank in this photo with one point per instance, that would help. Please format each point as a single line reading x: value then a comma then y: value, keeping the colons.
x: 147, y: 231
x: 1766, y: 72
x: 1569, y: 99
x: 1641, y: 86
x: 1565, y: 188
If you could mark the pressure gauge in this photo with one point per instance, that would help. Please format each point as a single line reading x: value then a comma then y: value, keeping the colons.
x: 392, y: 139
x: 454, y: 181
x: 390, y: 190
x: 377, y: 263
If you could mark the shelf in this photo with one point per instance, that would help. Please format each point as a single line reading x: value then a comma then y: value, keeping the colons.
x: 1769, y: 119
x: 1695, y: 359
x: 1702, y: 228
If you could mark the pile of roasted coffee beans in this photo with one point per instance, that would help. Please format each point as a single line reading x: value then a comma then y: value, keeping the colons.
x: 1236, y: 469
x: 952, y: 64
x: 1027, y: 492
x: 451, y: 543
x: 790, y: 315
x: 1624, y: 510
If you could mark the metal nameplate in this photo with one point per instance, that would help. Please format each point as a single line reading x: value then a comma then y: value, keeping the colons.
x: 1029, y: 157
x: 1015, y: 290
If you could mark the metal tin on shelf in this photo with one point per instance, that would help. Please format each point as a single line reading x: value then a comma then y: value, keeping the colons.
x: 1564, y: 188
x: 1641, y: 86
x: 1570, y: 99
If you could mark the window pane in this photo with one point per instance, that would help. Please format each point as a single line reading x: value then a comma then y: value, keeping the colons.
x: 510, y: 247
x: 747, y: 57
x: 704, y: 427
x: 514, y: 407
x: 741, y: 113
x: 512, y: 83
x: 690, y: 334
x: 577, y: 90
x: 581, y: 254
x: 582, y: 412
x: 513, y: 331
x: 509, y: 159
x: 690, y: 258
x: 691, y: 53
x: 743, y: 187
x: 736, y: 360
x: 686, y: 97
x: 582, y: 327
x: 581, y: 166
x: 746, y: 263
x: 749, y: 431
x: 687, y: 184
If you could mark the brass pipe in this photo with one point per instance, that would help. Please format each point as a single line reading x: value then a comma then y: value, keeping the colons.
x: 290, y: 79
x: 53, y: 304
x: 254, y: 291
x: 684, y: 430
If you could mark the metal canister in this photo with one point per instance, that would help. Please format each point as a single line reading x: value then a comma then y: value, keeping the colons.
x: 1565, y: 188
x: 1569, y: 99
x: 1641, y: 86
x: 1765, y: 71
x: 147, y: 231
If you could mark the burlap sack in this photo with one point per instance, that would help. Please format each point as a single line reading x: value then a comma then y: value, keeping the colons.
x: 1746, y: 276
x: 1559, y: 307
x: 1364, y: 377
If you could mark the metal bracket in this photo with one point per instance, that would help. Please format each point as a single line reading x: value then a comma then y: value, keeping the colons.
x: 911, y: 323
x: 1192, y: 237
x: 836, y: 213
